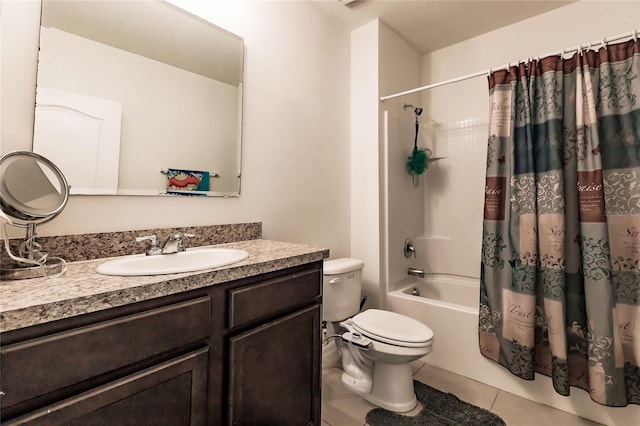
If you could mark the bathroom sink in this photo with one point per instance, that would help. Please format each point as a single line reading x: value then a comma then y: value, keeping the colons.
x: 191, y: 260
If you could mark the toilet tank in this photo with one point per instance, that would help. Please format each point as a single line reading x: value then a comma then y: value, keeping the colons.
x: 341, y: 288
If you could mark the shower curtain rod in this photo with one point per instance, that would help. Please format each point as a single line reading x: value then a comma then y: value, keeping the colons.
x: 603, y: 42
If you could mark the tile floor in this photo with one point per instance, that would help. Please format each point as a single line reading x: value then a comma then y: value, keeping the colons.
x: 341, y: 407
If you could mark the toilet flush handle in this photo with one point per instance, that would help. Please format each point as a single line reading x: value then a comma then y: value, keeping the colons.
x: 335, y: 280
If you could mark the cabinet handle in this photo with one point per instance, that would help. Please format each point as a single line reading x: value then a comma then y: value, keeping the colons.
x: 2, y: 393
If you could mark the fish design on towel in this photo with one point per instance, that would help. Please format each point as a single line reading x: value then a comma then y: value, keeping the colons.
x: 184, y: 180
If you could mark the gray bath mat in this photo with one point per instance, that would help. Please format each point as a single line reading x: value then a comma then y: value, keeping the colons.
x: 440, y: 409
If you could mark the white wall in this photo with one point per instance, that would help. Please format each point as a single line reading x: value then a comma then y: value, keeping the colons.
x: 19, y: 27
x: 454, y: 197
x: 399, y: 70
x: 381, y: 61
x: 365, y: 183
x: 296, y: 154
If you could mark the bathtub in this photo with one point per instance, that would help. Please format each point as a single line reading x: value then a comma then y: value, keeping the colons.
x: 448, y: 304
x: 447, y: 291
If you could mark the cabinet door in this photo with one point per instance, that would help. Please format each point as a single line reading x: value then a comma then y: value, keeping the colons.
x: 171, y: 393
x: 36, y: 368
x: 274, y: 372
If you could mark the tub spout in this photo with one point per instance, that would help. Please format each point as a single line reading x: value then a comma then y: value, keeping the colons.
x: 416, y: 272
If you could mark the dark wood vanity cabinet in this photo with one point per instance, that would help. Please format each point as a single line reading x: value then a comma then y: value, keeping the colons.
x: 271, y: 350
x: 273, y: 372
x: 245, y: 352
x: 170, y: 393
x: 140, y: 362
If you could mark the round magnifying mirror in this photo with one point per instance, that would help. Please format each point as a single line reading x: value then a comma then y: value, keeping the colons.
x: 32, y: 188
x: 32, y: 191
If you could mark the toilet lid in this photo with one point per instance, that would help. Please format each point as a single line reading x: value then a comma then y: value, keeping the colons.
x: 392, y: 328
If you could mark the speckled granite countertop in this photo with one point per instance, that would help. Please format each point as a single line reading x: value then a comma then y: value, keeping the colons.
x: 82, y: 290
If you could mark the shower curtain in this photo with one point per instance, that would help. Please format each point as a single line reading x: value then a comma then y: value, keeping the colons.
x: 560, y: 272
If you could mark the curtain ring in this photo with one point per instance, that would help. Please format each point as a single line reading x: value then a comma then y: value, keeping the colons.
x: 489, y: 73
x: 562, y: 54
x: 635, y: 35
x: 604, y: 43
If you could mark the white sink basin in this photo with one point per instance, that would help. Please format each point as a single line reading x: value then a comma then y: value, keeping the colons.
x: 191, y: 260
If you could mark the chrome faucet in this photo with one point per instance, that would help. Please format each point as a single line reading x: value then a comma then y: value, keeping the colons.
x: 153, y: 247
x: 416, y: 272
x: 174, y: 243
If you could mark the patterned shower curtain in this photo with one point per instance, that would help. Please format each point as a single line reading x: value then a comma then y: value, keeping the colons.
x: 560, y: 273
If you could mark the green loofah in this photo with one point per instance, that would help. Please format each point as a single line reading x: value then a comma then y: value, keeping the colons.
x: 417, y: 162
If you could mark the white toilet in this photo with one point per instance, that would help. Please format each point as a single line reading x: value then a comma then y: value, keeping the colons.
x: 376, y: 346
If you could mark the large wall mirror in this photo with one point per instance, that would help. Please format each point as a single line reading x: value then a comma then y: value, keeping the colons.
x: 139, y: 98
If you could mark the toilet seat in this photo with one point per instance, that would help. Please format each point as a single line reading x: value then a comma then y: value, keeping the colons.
x: 394, y: 342
x: 392, y: 328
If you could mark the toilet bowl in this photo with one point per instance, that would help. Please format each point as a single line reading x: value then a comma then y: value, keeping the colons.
x: 379, y: 347
x: 376, y: 346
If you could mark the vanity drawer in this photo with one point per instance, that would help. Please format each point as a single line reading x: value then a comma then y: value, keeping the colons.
x: 33, y: 368
x: 170, y: 393
x: 251, y: 303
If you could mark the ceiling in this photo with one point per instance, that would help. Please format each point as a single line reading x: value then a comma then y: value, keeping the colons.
x: 430, y: 25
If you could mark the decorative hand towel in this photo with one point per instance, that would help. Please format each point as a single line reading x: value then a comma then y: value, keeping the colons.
x: 184, y: 180
x: 204, y: 182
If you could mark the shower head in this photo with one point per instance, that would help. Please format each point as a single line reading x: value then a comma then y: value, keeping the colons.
x: 416, y: 110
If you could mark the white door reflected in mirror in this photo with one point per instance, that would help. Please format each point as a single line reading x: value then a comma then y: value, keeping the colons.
x: 81, y: 135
